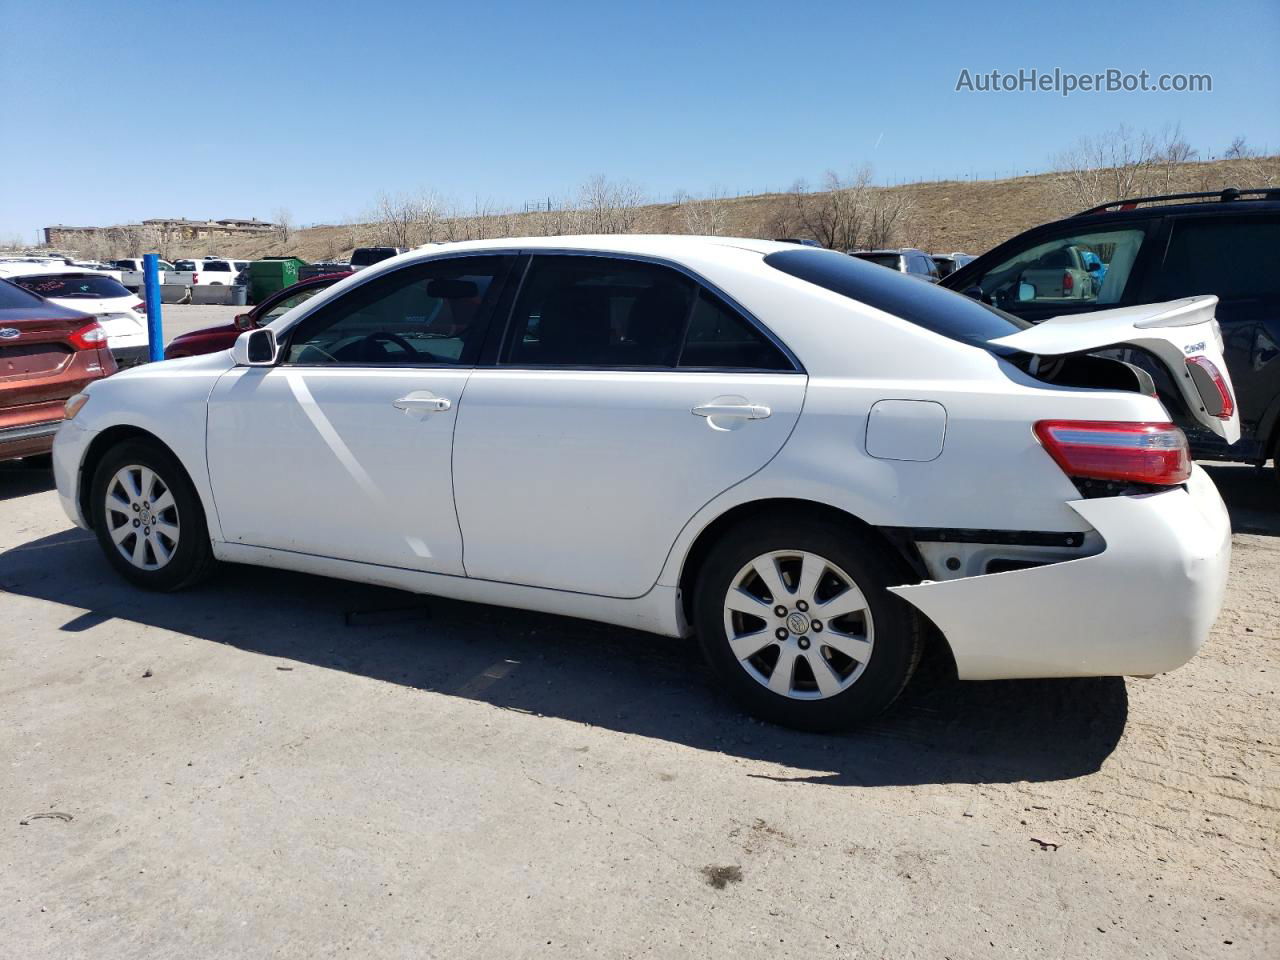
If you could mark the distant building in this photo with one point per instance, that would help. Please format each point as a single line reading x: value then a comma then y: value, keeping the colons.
x: 158, y: 230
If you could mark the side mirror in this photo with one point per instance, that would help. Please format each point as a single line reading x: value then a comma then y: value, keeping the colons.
x: 974, y: 292
x: 255, y: 348
x: 243, y: 321
x: 1026, y: 291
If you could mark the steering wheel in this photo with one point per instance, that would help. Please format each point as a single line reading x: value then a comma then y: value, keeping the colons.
x: 386, y: 336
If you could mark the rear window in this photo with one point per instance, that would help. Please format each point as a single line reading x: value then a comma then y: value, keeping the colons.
x: 924, y: 304
x: 371, y: 255
x: 184, y: 265
x: 889, y: 260
x: 73, y: 286
x: 217, y: 266
x: 14, y: 297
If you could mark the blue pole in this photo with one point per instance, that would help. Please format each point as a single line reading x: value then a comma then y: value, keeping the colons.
x: 151, y: 285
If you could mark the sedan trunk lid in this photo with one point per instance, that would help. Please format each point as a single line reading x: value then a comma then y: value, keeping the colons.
x: 1180, y: 334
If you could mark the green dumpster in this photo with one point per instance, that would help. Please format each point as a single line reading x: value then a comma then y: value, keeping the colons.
x: 270, y: 274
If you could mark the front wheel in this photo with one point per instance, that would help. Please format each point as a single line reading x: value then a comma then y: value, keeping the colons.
x: 148, y: 518
x: 795, y: 618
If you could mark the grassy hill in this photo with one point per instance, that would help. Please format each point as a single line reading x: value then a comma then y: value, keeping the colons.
x: 943, y: 216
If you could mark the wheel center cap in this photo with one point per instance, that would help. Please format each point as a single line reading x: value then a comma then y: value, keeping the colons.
x: 797, y: 622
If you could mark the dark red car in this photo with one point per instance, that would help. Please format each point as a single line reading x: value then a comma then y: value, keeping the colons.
x: 48, y: 354
x: 213, y: 339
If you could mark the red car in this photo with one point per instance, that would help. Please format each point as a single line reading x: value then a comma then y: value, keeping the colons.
x: 213, y: 339
x: 48, y: 354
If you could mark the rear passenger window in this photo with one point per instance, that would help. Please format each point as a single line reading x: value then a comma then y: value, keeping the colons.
x: 721, y: 338
x: 590, y: 311
x: 598, y: 312
x: 1234, y: 259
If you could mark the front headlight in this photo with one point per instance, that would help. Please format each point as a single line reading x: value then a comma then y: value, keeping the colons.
x: 74, y: 404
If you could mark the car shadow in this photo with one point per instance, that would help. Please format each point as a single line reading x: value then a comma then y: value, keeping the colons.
x: 1252, y: 496
x: 19, y: 478
x: 941, y: 731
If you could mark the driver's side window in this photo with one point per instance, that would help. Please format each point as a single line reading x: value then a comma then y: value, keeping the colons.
x: 1080, y: 270
x: 423, y: 314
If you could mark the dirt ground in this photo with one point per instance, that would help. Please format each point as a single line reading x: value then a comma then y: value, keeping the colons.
x: 278, y: 765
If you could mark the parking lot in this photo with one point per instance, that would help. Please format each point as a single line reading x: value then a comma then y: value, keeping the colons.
x: 274, y: 764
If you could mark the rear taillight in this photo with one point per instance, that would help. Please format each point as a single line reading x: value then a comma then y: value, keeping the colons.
x: 1212, y: 386
x: 195, y: 278
x: 1068, y: 282
x: 1153, y: 453
x: 89, y: 337
x: 140, y: 307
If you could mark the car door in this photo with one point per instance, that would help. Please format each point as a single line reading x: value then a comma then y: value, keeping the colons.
x: 1048, y: 275
x: 1237, y: 258
x: 342, y: 448
x: 624, y: 396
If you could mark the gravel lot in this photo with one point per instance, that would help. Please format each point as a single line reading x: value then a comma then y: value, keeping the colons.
x: 278, y: 765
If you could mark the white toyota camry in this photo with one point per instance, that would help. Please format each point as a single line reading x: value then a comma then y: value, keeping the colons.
x: 806, y: 460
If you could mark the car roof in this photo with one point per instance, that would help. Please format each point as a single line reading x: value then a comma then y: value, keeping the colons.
x: 658, y: 246
x: 45, y: 270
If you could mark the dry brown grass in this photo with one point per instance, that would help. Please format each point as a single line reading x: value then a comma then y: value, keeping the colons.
x: 948, y: 215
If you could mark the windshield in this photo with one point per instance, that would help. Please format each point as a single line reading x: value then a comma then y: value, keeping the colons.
x: 924, y: 304
x: 73, y: 286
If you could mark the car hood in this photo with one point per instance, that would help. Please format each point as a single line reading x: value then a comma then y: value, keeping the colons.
x: 220, y: 361
x: 224, y: 329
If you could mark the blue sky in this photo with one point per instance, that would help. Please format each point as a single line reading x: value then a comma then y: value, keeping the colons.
x: 119, y: 111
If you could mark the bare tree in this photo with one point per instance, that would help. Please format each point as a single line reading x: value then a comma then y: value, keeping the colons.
x: 1109, y: 166
x: 837, y: 215
x: 284, y: 226
x: 608, y: 206
x: 1172, y: 153
x: 708, y: 217
x: 403, y: 220
x: 887, y: 215
x: 1238, y: 150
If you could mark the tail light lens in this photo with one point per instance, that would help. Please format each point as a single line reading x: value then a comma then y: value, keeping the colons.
x: 1068, y: 282
x: 89, y: 337
x: 195, y: 278
x: 1151, y: 453
x: 140, y: 307
x: 1212, y: 387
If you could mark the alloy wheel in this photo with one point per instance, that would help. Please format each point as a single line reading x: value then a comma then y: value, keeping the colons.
x: 798, y: 625
x: 142, y: 517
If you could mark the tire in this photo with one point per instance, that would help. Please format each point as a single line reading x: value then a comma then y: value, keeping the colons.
x: 174, y: 536
x: 881, y: 640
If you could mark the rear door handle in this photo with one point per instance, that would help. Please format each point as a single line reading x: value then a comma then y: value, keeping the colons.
x: 418, y: 403
x: 745, y: 411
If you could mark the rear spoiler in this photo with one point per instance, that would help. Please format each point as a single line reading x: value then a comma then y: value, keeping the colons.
x: 1182, y: 334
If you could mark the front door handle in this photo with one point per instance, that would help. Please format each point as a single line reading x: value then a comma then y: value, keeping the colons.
x: 419, y: 403
x: 745, y: 411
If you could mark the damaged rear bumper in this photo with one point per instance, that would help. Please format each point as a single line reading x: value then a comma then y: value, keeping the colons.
x: 1143, y: 605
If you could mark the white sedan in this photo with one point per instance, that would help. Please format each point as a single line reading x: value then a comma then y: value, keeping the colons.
x: 119, y: 311
x: 808, y: 461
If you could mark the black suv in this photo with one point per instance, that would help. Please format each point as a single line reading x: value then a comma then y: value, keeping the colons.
x: 1151, y: 249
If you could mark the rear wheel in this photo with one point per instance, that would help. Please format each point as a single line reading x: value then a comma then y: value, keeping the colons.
x: 148, y: 518
x: 795, y: 618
